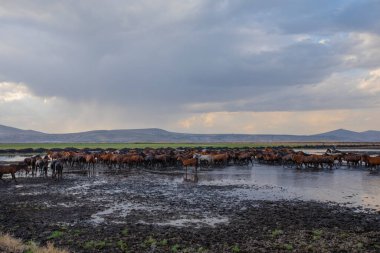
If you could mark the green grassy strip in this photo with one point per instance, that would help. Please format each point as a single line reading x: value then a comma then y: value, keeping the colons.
x: 19, y: 146
x: 127, y: 145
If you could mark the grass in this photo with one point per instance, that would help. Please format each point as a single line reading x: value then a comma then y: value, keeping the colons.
x: 164, y: 242
x: 94, y: 244
x: 11, y: 244
x: 288, y: 246
x: 19, y: 146
x: 277, y: 232
x: 202, y: 250
x: 235, y: 249
x: 55, y: 234
x: 150, y: 242
x: 175, y: 248
x: 317, y: 233
x: 123, y: 246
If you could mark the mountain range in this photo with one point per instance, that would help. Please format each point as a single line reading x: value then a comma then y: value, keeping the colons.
x: 15, y: 135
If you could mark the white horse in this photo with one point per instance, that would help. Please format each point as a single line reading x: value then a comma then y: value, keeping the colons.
x: 203, y: 159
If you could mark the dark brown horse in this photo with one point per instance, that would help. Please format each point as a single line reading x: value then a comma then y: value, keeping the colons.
x: 57, y: 169
x: 373, y: 162
x: 12, y: 169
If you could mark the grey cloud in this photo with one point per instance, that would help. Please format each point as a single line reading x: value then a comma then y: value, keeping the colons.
x: 327, y: 17
x: 146, y: 58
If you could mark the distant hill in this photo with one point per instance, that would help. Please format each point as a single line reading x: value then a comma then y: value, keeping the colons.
x: 15, y: 135
x: 346, y: 135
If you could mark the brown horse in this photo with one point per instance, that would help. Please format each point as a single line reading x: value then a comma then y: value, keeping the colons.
x: 220, y: 159
x: 189, y: 162
x: 352, y: 159
x: 90, y: 161
x: 12, y: 169
x: 373, y: 162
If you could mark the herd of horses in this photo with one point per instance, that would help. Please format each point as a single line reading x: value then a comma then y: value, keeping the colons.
x: 188, y: 157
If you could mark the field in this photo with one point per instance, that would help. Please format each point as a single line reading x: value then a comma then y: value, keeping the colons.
x: 19, y: 146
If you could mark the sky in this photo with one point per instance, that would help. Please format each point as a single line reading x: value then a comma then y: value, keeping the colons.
x: 199, y: 66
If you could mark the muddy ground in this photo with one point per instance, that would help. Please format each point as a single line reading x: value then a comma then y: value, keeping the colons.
x: 141, y: 211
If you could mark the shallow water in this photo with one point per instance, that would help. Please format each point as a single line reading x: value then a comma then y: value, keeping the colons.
x: 355, y: 187
x: 184, y: 221
x: 12, y: 158
x: 348, y: 150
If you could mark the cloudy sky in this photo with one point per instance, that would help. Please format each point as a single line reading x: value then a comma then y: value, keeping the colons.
x: 201, y: 66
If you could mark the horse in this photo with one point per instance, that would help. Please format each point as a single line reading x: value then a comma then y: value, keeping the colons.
x: 287, y: 160
x: 299, y: 159
x: 220, y: 159
x: 352, y: 159
x: 131, y: 160
x: 57, y: 169
x: 42, y: 165
x: 54, y: 155
x: 373, y: 162
x: 161, y: 160
x: 244, y: 158
x: 90, y: 161
x: 205, y: 160
x: 12, y: 169
x: 365, y: 159
x: 29, y: 162
x: 189, y: 162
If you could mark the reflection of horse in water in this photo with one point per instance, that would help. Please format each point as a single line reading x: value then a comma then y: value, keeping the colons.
x: 193, y: 177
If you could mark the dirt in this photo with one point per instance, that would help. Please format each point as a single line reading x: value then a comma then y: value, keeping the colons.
x: 139, y: 211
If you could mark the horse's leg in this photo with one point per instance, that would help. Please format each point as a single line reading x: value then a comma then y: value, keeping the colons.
x: 14, y: 177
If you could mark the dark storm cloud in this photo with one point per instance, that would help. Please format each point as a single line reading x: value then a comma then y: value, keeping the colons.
x: 151, y: 55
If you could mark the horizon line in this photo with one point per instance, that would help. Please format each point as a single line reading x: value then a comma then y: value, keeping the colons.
x: 156, y: 128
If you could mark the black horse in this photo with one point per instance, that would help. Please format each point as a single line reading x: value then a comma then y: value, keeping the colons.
x: 57, y: 169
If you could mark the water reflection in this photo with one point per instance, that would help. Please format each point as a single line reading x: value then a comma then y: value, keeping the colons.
x: 12, y: 158
x: 191, y: 176
x: 356, y: 187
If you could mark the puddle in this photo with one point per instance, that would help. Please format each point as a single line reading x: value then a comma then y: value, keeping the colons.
x: 79, y: 189
x: 191, y: 222
x: 62, y: 204
x: 120, y: 210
